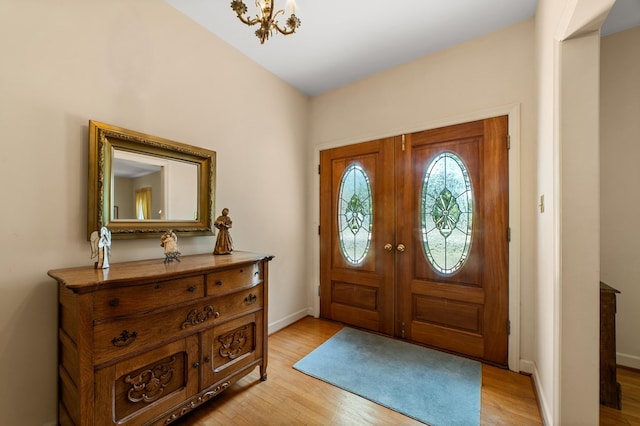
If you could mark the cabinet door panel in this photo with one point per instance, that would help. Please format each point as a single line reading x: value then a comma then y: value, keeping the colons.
x: 231, y: 347
x: 141, y: 388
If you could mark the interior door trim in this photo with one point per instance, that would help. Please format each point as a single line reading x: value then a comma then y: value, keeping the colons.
x: 514, y: 113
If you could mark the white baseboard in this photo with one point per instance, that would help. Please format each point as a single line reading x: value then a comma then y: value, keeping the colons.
x: 529, y: 367
x: 628, y: 360
x: 280, y: 324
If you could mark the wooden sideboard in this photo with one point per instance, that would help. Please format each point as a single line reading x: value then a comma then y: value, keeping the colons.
x: 146, y: 342
x: 610, y: 392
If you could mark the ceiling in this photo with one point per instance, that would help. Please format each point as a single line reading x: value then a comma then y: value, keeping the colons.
x: 340, y: 41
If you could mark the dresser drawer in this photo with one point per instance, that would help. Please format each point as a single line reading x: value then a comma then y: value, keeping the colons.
x: 126, y: 335
x: 115, y: 302
x: 238, y: 303
x: 122, y: 336
x: 229, y: 280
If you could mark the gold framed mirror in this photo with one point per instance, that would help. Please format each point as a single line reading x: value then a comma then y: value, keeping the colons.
x: 140, y: 185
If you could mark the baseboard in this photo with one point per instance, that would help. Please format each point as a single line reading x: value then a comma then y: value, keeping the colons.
x: 288, y: 320
x: 529, y: 367
x: 628, y: 360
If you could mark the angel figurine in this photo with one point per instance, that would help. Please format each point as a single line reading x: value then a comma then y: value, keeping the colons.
x: 101, y: 247
x: 169, y: 241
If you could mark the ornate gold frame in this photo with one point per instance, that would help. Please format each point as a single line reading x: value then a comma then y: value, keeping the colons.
x: 103, y: 138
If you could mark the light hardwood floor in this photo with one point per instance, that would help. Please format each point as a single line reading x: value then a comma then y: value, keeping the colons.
x: 629, y: 380
x: 289, y: 397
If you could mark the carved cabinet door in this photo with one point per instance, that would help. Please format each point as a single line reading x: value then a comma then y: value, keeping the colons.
x: 138, y: 389
x: 230, y: 347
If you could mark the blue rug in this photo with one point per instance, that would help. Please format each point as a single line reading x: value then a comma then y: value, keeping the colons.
x: 432, y: 387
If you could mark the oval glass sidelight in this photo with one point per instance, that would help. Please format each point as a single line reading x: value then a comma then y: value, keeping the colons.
x: 355, y: 214
x: 446, y: 213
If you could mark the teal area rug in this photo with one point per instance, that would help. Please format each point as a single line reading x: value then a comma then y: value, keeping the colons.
x: 432, y: 387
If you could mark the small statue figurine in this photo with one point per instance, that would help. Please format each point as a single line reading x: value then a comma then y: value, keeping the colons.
x: 224, y: 245
x: 169, y: 241
x: 101, y: 247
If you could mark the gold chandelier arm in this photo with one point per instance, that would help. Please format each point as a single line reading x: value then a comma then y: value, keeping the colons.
x: 285, y: 31
x: 292, y: 24
x: 248, y: 21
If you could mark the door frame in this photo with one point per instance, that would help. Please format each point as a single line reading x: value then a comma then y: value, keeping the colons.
x: 513, y: 112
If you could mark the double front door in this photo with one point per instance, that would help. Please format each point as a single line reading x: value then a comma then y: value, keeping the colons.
x: 414, y: 237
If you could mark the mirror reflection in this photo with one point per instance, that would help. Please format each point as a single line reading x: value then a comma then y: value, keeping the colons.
x: 152, y: 188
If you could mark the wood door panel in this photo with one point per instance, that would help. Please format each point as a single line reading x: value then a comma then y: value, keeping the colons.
x: 445, y: 290
x: 450, y: 339
x: 355, y: 316
x: 449, y: 313
x: 358, y: 296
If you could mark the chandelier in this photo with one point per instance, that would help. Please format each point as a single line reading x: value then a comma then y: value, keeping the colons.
x: 266, y: 18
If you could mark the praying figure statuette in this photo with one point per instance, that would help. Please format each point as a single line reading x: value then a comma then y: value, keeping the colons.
x: 224, y: 245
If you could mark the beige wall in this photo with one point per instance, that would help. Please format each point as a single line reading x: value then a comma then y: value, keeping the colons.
x: 620, y: 175
x: 143, y: 66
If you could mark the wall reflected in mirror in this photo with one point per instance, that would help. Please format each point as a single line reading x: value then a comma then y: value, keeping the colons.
x: 152, y: 188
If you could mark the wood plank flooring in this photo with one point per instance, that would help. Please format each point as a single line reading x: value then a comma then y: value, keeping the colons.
x: 289, y: 397
x: 629, y: 380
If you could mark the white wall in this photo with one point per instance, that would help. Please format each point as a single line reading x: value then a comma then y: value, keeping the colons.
x: 620, y: 175
x: 143, y: 66
x: 458, y: 84
x: 567, y: 64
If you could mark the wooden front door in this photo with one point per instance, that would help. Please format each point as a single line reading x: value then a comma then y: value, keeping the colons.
x: 437, y: 265
x: 356, y: 222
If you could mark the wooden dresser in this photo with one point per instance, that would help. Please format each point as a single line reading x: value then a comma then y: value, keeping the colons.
x: 610, y: 391
x: 147, y: 342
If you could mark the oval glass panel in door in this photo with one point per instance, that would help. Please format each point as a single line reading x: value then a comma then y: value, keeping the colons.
x: 446, y: 213
x: 355, y: 214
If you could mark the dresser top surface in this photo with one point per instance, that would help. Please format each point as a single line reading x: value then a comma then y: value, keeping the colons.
x: 88, y: 278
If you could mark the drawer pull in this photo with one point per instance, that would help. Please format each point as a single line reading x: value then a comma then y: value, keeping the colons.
x: 114, y: 302
x: 124, y: 339
x: 207, y: 359
x: 250, y: 299
x: 196, y: 364
x: 192, y: 289
x: 197, y: 316
x: 219, y: 283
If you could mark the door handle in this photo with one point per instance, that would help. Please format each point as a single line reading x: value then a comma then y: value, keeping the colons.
x: 401, y: 248
x: 388, y: 247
